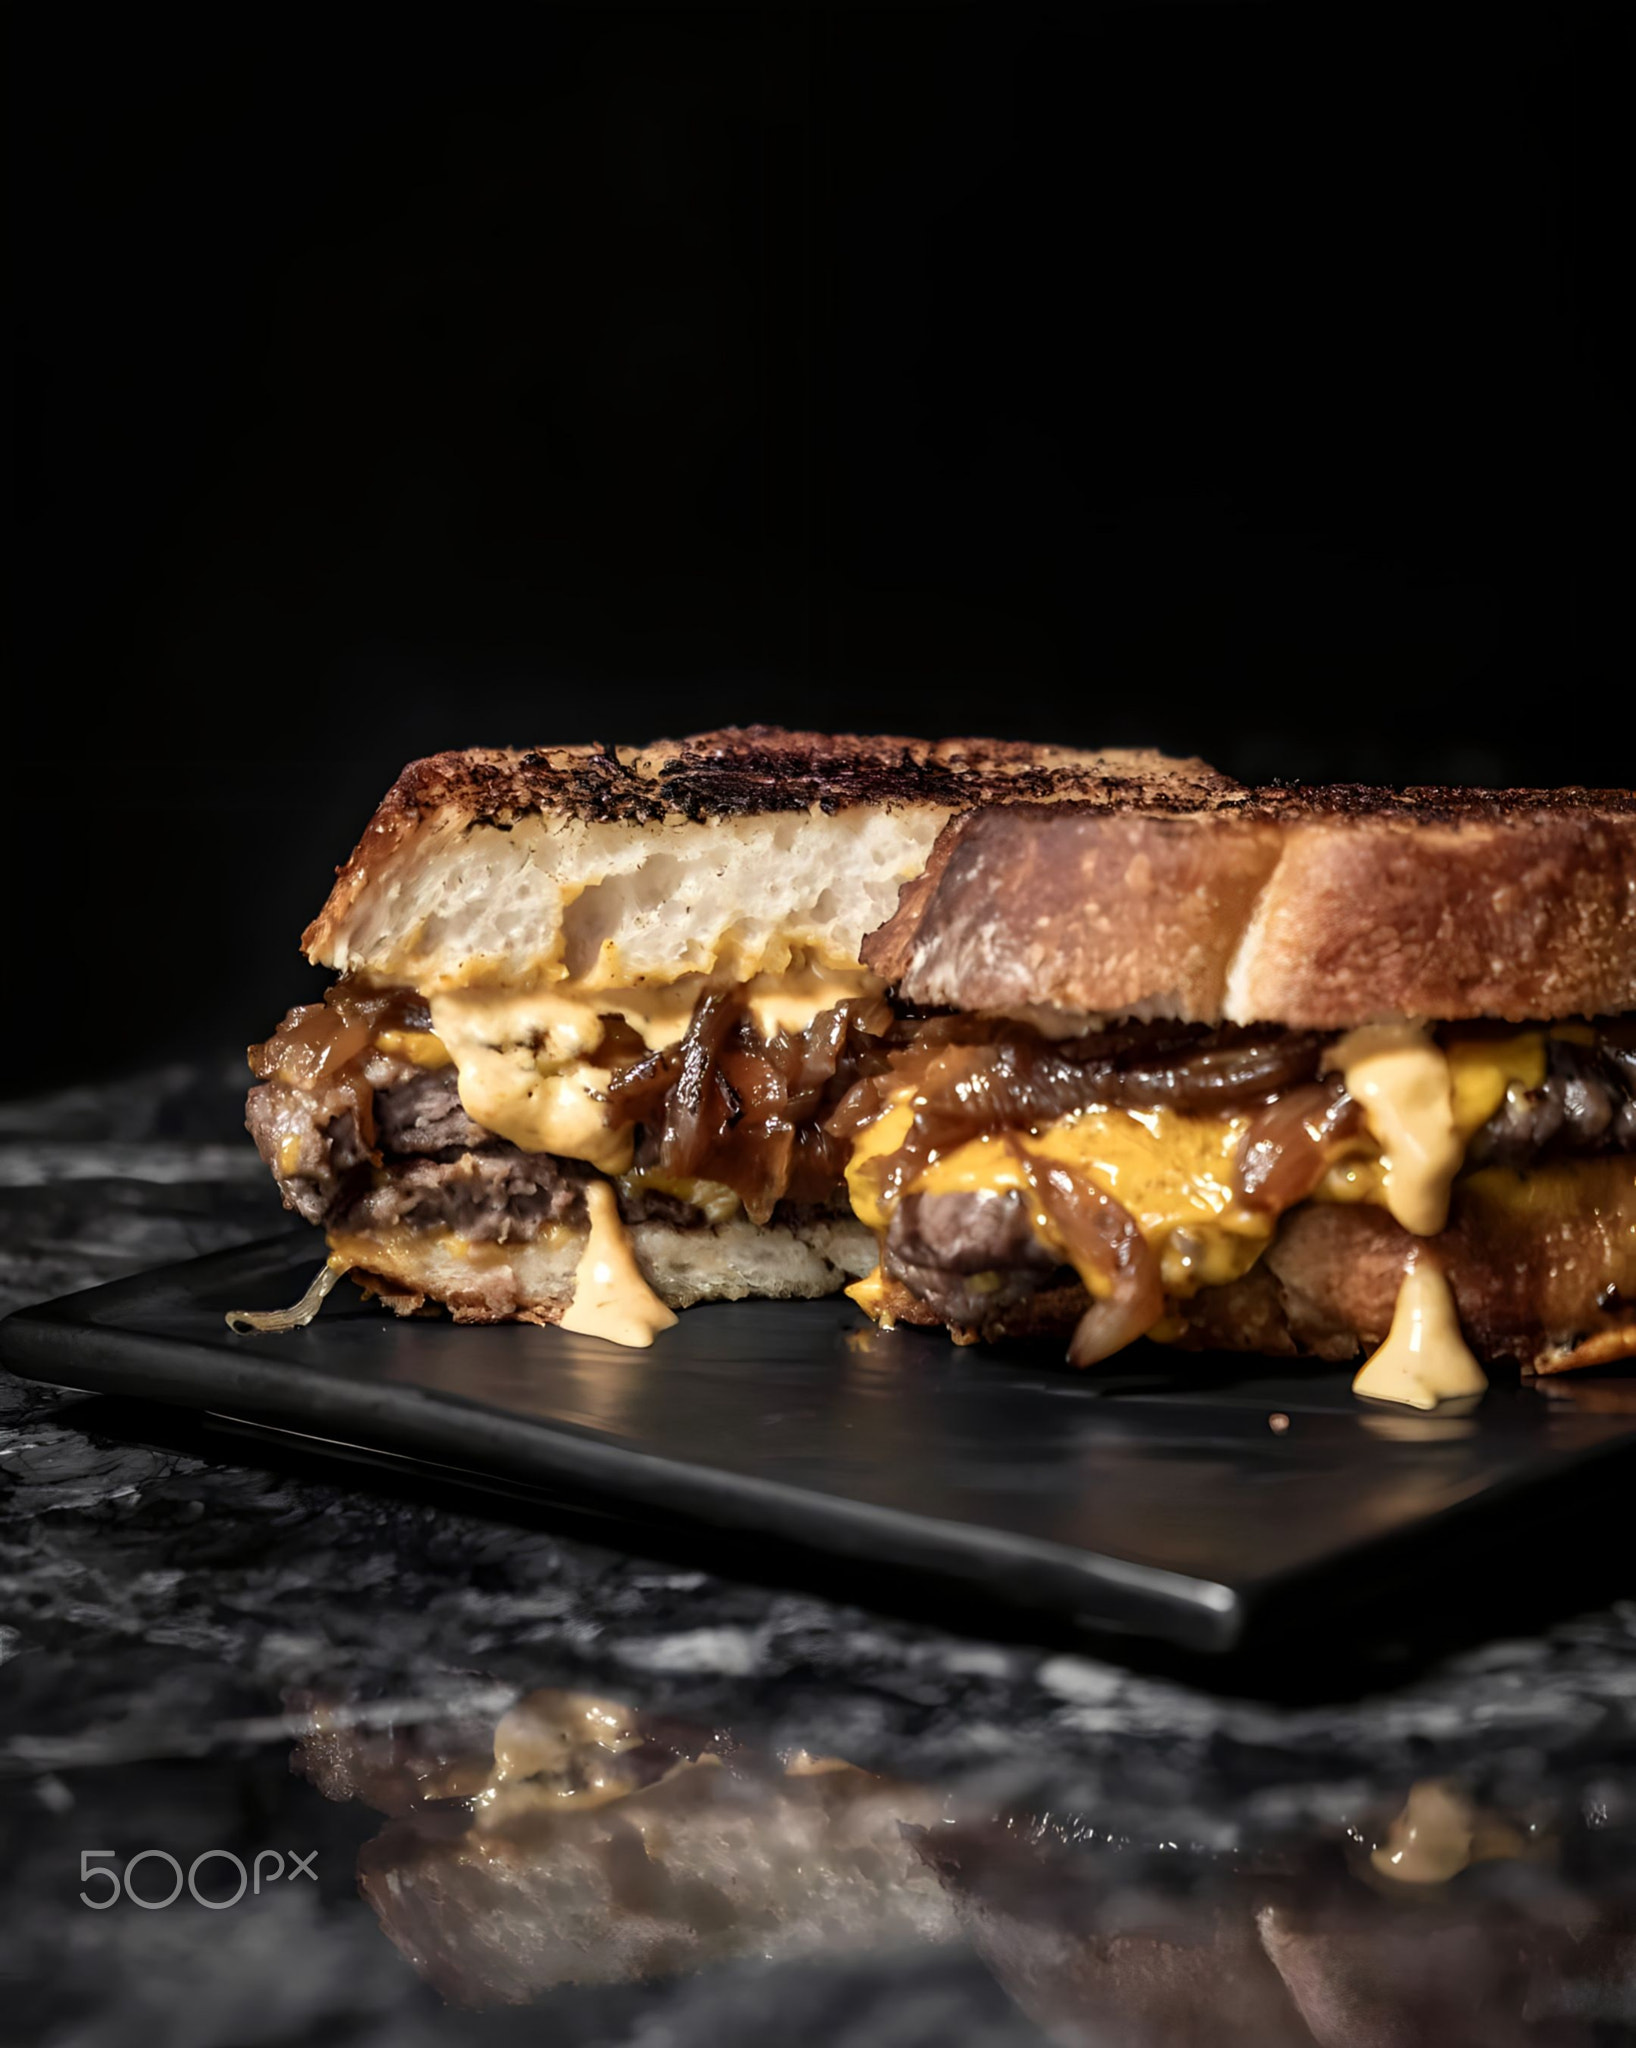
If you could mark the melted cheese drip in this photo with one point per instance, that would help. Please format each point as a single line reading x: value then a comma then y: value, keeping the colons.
x: 870, y: 1295
x: 1172, y: 1172
x: 1400, y: 1078
x: 876, y: 1141
x: 524, y: 1055
x: 611, y: 1298
x: 1424, y: 1359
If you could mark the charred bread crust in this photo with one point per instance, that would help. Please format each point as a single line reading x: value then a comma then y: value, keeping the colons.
x: 736, y: 773
x: 1078, y: 908
x: 1317, y: 909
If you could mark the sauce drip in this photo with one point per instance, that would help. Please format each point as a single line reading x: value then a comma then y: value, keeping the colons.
x: 611, y: 1298
x: 1424, y: 1359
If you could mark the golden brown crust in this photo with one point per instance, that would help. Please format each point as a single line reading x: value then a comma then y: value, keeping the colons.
x: 736, y: 773
x: 495, y: 1303
x: 1082, y: 909
x: 1529, y: 914
x: 531, y: 1280
x: 1316, y: 909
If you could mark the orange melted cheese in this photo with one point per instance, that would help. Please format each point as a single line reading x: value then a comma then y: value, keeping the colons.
x: 1172, y: 1172
x: 1176, y: 1173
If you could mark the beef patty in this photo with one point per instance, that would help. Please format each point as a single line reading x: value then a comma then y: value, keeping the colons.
x: 438, y: 1169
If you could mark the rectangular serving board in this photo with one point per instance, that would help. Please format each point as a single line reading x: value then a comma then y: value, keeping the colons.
x: 1154, y: 1496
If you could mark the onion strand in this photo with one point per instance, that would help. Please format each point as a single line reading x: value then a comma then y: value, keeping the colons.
x: 250, y: 1322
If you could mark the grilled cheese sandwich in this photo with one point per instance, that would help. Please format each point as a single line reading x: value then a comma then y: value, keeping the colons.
x: 1008, y: 1038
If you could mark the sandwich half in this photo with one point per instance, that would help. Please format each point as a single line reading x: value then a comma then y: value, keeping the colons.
x: 1011, y: 1039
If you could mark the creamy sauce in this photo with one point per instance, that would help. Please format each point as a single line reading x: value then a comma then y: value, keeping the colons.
x: 1400, y: 1078
x: 553, y: 1751
x: 611, y: 1298
x: 1424, y: 1359
x: 1438, y: 1834
x: 790, y: 1002
x: 525, y: 1072
x: 1430, y: 1841
x: 524, y: 1056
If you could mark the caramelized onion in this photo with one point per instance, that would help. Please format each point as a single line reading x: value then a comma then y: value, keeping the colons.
x: 1218, y: 1077
x: 1289, y: 1145
x: 1108, y: 1253
x: 316, y: 1040
x: 973, y: 1082
x: 752, y: 1112
x: 319, y: 1045
x: 247, y: 1322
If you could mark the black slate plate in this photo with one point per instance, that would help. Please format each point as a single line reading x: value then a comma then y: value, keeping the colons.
x: 1156, y: 1500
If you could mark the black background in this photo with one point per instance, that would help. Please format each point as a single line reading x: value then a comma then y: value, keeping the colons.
x: 1242, y: 379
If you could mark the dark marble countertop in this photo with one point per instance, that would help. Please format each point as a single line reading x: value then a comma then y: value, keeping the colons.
x: 210, y: 1645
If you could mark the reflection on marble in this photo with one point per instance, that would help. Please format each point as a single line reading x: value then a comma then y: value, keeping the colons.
x: 180, y: 1611
x: 590, y: 1843
x: 597, y: 1845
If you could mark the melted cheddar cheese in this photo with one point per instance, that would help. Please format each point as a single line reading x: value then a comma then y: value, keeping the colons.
x: 718, y: 1204
x: 419, y: 1048
x: 1172, y: 1172
x: 1483, y: 1071
x: 1175, y: 1173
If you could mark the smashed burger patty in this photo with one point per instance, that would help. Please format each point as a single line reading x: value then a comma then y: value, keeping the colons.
x: 371, y: 1141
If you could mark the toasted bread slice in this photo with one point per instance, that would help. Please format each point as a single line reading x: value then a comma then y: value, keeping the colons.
x: 730, y: 854
x: 1313, y: 908
x: 532, y: 1280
